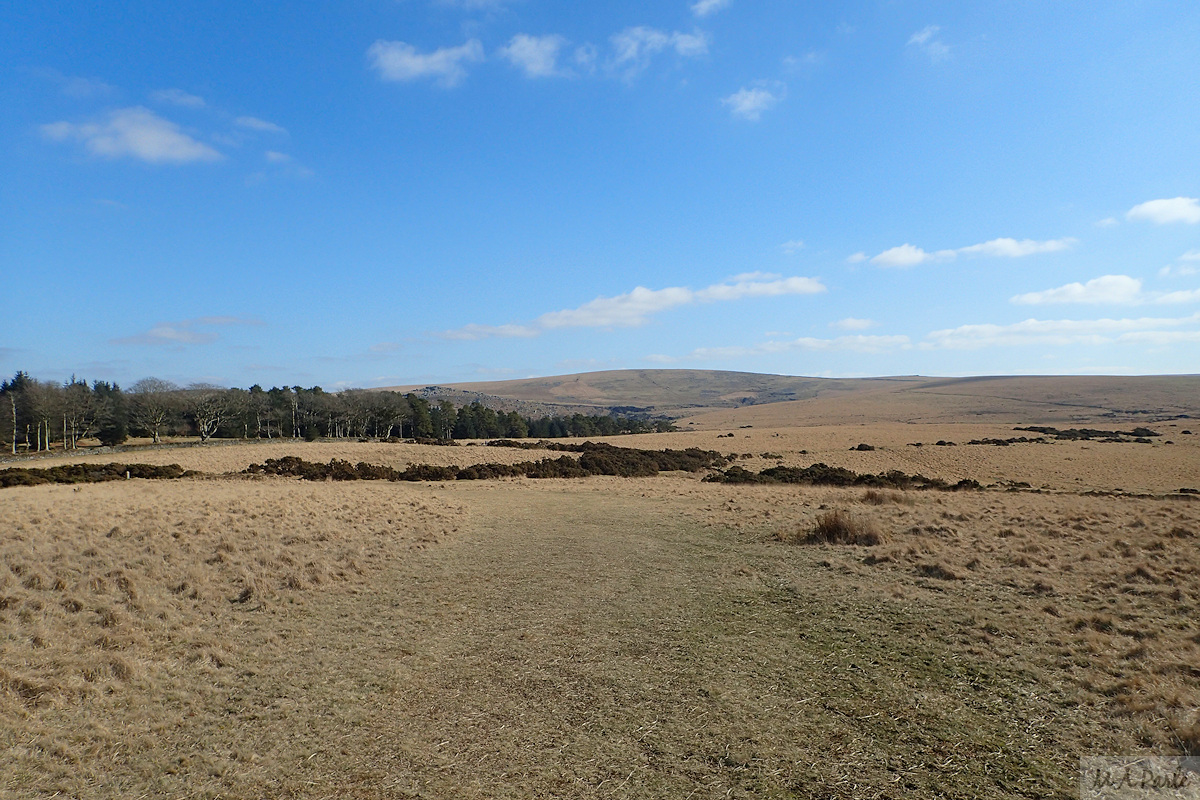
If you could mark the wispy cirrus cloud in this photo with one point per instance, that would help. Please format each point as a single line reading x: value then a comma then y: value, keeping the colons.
x: 134, y: 133
x: 184, y: 332
x: 750, y: 103
x: 261, y: 125
x: 177, y: 97
x: 1011, y: 248
x: 907, y: 255
x: 401, y: 62
x: 1166, y: 211
x: 475, y: 5
x: 1190, y: 265
x: 858, y: 343
x: 1156, y: 330
x: 634, y: 48
x: 853, y: 324
x: 474, y: 332
x: 76, y: 86
x: 702, y: 8
x: 536, y: 56
x: 928, y: 42
x: 635, y: 308
x: 1107, y: 289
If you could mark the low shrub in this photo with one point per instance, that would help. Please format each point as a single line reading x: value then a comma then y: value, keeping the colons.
x: 89, y: 473
x: 594, y: 459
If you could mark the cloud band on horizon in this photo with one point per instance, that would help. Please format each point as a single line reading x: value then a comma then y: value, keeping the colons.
x: 634, y: 308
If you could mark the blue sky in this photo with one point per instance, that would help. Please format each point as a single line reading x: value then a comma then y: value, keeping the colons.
x: 383, y: 192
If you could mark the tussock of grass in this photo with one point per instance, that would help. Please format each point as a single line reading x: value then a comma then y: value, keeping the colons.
x: 939, y: 572
x: 840, y: 527
x: 879, y: 497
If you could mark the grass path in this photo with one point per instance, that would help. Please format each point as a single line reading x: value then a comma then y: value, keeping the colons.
x: 574, y: 647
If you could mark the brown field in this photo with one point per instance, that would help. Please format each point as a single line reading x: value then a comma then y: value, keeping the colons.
x: 237, y: 636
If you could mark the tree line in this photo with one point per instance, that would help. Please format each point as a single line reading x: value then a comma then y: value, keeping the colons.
x: 43, y: 414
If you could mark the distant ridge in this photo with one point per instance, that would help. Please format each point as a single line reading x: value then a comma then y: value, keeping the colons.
x: 721, y: 399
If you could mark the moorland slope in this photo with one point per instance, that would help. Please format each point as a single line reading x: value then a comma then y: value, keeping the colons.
x: 710, y: 398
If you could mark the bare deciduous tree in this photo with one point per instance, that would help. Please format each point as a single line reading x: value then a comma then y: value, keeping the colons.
x: 153, y: 402
x: 207, y: 405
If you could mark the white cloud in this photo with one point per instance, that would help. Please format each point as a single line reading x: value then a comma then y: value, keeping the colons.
x: 177, y: 97
x: 907, y: 255
x: 702, y: 8
x: 184, y: 332
x: 856, y: 258
x: 536, y: 55
x: 1011, y: 248
x: 1119, y: 289
x: 1057, y: 332
x: 1107, y: 222
x: 750, y: 103
x: 283, y: 164
x: 812, y: 58
x: 137, y: 133
x: 1111, y: 289
x: 753, y: 285
x: 1161, y: 212
x: 757, y: 275
x: 792, y: 247
x: 853, y: 343
x: 256, y: 124
x: 585, y: 57
x: 75, y: 86
x: 398, y: 61
x: 926, y: 39
x: 623, y: 311
x: 635, y: 308
x: 1182, y: 296
x: 633, y: 48
x: 853, y: 324
x: 470, y: 333
x: 690, y: 44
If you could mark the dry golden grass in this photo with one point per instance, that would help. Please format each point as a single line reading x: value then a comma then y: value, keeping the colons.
x: 251, y: 637
x: 1099, y: 597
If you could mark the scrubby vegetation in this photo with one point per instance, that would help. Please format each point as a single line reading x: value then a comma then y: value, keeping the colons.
x: 824, y: 475
x: 595, y: 458
x: 1141, y: 435
x: 89, y: 473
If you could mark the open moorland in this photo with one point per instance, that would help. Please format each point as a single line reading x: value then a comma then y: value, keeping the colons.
x: 239, y: 634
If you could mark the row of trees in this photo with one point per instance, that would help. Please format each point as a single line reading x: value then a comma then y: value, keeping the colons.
x: 43, y: 414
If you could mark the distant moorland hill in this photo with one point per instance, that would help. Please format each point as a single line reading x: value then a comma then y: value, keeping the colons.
x: 709, y: 398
